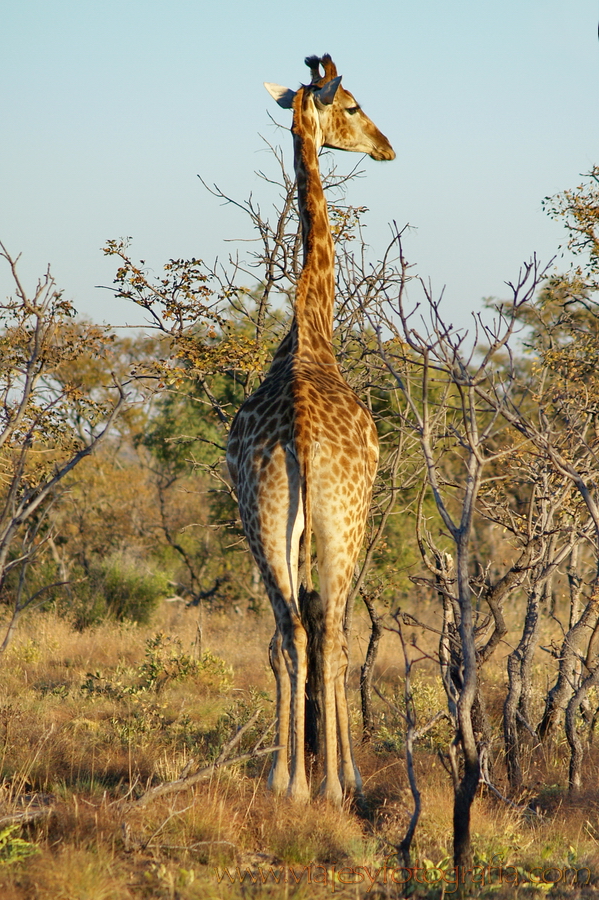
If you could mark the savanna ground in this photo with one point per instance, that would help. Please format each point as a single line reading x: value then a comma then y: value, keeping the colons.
x: 90, y: 719
x: 96, y: 712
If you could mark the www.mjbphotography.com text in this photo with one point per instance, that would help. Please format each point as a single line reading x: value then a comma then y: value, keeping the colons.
x: 451, y: 877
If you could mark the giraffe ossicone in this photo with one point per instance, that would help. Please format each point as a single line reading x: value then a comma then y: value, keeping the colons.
x: 303, y: 454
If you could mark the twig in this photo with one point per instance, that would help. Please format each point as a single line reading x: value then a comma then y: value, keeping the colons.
x: 183, y: 784
x: 175, y: 812
x: 186, y: 781
x: 484, y: 779
x: 27, y: 816
x: 193, y: 846
x: 418, y: 732
x: 230, y: 745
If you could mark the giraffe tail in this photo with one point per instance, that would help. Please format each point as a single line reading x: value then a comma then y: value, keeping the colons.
x: 312, y: 612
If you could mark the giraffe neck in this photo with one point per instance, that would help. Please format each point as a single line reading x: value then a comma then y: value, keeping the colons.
x: 313, y: 319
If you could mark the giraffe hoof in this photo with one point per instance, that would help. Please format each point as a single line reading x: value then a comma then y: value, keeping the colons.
x: 332, y: 792
x: 299, y: 792
x: 278, y: 782
x: 351, y: 781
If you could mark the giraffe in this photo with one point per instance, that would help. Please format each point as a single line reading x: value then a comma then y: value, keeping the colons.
x: 303, y: 453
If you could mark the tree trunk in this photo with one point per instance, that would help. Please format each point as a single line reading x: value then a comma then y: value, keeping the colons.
x: 574, y: 739
x: 519, y: 671
x: 560, y: 694
x: 367, y: 670
x: 466, y: 789
x: 510, y: 724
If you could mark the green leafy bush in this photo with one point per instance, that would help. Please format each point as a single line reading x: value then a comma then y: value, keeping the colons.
x: 120, y: 588
x: 13, y: 849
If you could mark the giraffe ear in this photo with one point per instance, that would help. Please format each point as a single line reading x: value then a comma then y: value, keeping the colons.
x: 284, y: 96
x: 327, y: 92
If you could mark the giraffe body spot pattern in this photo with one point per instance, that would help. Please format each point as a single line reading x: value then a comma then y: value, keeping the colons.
x: 303, y: 453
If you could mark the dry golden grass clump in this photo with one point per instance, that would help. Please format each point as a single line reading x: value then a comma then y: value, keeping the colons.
x: 90, y: 721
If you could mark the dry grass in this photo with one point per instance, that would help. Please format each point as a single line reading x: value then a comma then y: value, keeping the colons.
x: 89, y: 719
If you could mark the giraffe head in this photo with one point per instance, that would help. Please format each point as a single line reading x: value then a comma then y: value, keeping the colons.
x: 343, y: 125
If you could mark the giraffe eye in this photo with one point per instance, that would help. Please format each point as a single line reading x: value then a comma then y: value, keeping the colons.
x: 352, y: 110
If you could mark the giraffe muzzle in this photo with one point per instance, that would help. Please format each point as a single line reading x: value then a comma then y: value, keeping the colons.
x: 383, y: 153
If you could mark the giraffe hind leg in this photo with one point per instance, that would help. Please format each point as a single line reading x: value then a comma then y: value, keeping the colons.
x: 289, y: 664
x: 336, y: 559
x: 350, y: 775
x: 275, y: 546
x: 278, y: 779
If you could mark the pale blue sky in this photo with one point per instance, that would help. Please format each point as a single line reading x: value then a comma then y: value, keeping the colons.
x: 110, y: 110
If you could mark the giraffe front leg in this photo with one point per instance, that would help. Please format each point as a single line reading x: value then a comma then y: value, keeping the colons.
x: 331, y: 788
x: 278, y: 779
x: 350, y: 775
x: 297, y: 663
